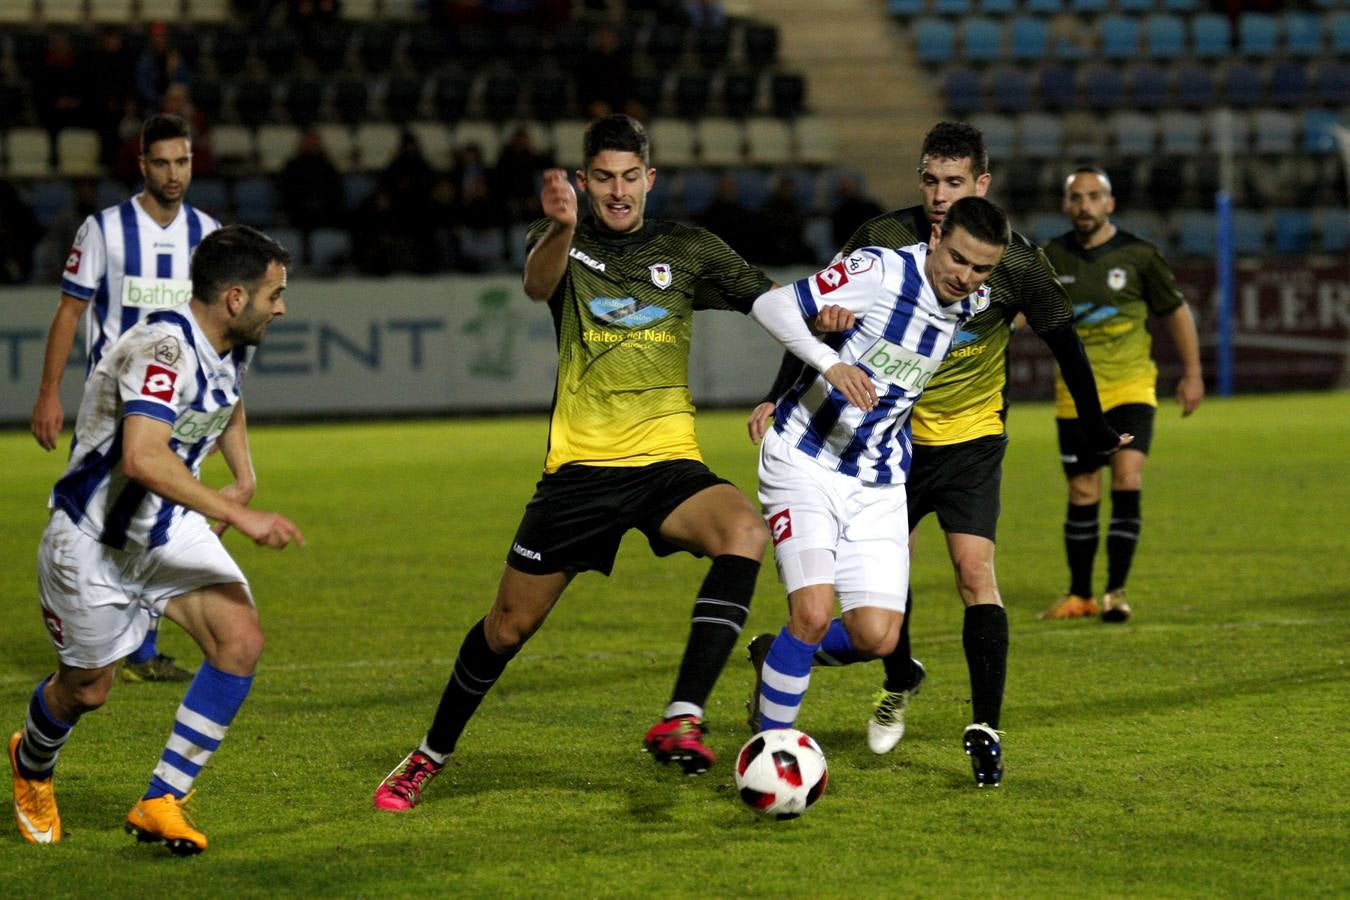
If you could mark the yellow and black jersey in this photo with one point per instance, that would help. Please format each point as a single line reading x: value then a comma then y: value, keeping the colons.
x: 623, y: 314
x: 1114, y: 288
x: 966, y: 398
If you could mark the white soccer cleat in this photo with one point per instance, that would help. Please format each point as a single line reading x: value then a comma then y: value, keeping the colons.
x: 887, y: 725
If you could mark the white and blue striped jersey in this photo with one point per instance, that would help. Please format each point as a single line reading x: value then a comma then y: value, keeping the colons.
x: 129, y: 266
x: 901, y: 336
x: 164, y: 368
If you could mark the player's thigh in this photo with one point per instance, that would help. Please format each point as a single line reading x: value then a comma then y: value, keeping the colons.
x: 523, y: 602
x: 90, y: 604
x: 1076, y: 456
x: 222, y: 620
x: 690, y: 508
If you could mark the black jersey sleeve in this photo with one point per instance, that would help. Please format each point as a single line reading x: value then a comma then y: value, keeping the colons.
x: 727, y: 281
x: 1041, y: 298
x: 1160, y: 286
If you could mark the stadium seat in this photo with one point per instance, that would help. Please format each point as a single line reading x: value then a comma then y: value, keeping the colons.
x: 402, y: 99
x: 502, y: 93
x: 660, y: 201
x: 739, y: 93
x: 279, y: 50
x: 693, y: 95
x: 761, y: 45
x: 996, y: 7
x: 276, y: 145
x: 337, y: 139
x: 376, y: 143
x: 1211, y: 35
x: 1258, y: 34
x: 253, y: 102
x: 673, y: 142
x: 1146, y: 225
x: 951, y: 7
x: 1089, y: 7
x: 1039, y: 135
x: 698, y: 188
x: 486, y: 136
x: 649, y: 91
x: 50, y: 199
x: 351, y: 101
x: 328, y: 45
x: 1288, y: 84
x: 1195, y: 86
x: 1119, y: 36
x: 1292, y: 230
x: 1056, y: 87
x: 1333, y: 83
x: 1000, y: 133
x: 1042, y: 227
x: 207, y: 12
x: 254, y: 201
x: 1134, y: 6
x: 207, y: 193
x: 1338, y: 30
x: 1275, y: 131
x: 1029, y: 38
x: 1165, y: 36
x: 567, y: 136
x: 111, y: 12
x: 1043, y: 7
x: 65, y: 12
x: 77, y: 152
x: 1103, y: 88
x: 376, y: 50
x: 233, y: 146
x: 1242, y: 85
x: 1197, y: 233
x: 787, y: 95
x: 663, y: 45
x: 450, y: 97
x: 814, y: 141
x: 1010, y: 90
x: 358, y: 10
x: 768, y: 141
x: 721, y: 142
x: 712, y: 44
x: 355, y: 189
x: 303, y: 98
x: 436, y: 141
x: 1249, y: 232
x: 981, y: 39
x: 1319, y: 131
x: 1148, y: 87
x: 1302, y: 34
x: 1084, y: 136
x: 1333, y: 229
x: 19, y: 12
x: 905, y: 8
x: 753, y: 186
x: 1182, y: 133
x: 549, y: 97
x: 1135, y: 133
x: 962, y: 91
x: 1238, y: 125
x: 1184, y: 6
x: 934, y: 41
x: 402, y: 10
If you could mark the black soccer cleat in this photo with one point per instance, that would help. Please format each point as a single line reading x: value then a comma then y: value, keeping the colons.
x: 986, y: 754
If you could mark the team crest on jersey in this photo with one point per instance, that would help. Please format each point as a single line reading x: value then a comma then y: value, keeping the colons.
x: 167, y: 351
x: 661, y: 276
x: 831, y: 279
x: 159, y: 382
x: 780, y: 526
x: 1115, y: 279
x: 981, y: 299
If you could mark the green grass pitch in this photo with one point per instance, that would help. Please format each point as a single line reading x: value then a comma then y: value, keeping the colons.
x: 1196, y: 751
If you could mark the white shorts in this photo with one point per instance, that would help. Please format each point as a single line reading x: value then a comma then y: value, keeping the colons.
x: 97, y: 601
x: 829, y: 528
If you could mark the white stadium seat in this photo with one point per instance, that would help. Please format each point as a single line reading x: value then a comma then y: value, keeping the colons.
x: 29, y: 152
x: 276, y: 145
x: 77, y: 152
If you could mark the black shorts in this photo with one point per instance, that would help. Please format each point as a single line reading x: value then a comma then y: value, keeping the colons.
x: 959, y: 482
x: 579, y: 514
x: 1128, y: 418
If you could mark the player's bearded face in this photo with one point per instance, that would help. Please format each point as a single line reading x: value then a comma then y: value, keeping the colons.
x: 167, y: 167
x: 616, y: 185
x: 1088, y: 202
x: 262, y: 306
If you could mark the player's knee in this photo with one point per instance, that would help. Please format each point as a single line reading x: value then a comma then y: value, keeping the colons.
x: 809, y: 622
x: 239, y: 651
x: 747, y: 536
x: 86, y: 698
x: 875, y: 643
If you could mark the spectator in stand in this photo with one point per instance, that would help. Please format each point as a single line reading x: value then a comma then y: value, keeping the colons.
x: 519, y: 167
x: 59, y: 88
x: 782, y: 225
x: 311, y: 187
x: 603, y: 75
x: 408, y: 180
x: 447, y: 228
x: 731, y: 220
x: 854, y: 209
x: 112, y: 72
x: 160, y: 65
x: 19, y: 234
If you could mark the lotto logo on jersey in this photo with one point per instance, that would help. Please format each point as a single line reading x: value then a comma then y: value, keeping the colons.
x: 780, y: 526
x: 159, y: 382
x: 73, y: 260
x: 831, y: 279
x: 53, y: 623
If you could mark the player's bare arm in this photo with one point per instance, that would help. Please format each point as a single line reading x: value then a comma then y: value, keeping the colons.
x: 48, y: 416
x: 148, y: 460
x: 1191, y: 387
x: 547, y: 262
x: 233, y: 445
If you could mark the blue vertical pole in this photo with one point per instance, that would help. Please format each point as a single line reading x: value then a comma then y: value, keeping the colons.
x: 1223, y: 208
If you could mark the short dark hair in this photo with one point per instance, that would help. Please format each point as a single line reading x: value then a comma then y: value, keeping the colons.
x: 617, y: 132
x: 1088, y: 170
x: 981, y: 219
x: 163, y: 127
x: 235, y: 254
x: 956, y: 140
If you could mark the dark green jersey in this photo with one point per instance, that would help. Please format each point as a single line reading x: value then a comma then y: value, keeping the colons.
x: 623, y: 313
x: 965, y: 399
x: 1114, y: 288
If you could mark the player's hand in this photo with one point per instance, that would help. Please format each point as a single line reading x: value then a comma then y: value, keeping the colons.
x: 48, y: 416
x: 558, y: 199
x: 855, y: 384
x: 1190, y: 391
x: 758, y: 423
x: 267, y: 529
x: 1106, y: 441
x: 240, y: 494
x: 833, y: 318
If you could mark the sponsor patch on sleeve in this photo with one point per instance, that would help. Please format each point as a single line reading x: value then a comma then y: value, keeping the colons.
x: 831, y: 279
x: 73, y: 260
x: 159, y: 382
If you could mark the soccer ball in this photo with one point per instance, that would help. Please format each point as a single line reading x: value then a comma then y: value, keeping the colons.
x: 781, y: 773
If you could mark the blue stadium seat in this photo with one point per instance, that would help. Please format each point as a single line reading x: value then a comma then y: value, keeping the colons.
x: 1103, y: 88
x: 1197, y: 233
x: 1146, y: 225
x: 1302, y: 34
x: 1275, y: 131
x: 1292, y: 231
x: 1333, y: 83
x: 1029, y: 37
x: 1148, y: 87
x: 1120, y: 37
x: 753, y: 186
x: 1182, y: 133
x: 934, y: 41
x: 1242, y: 85
x: 1043, y: 7
x: 1339, y: 28
x: 1249, y: 232
x: 1288, y: 84
x: 951, y: 7
x: 698, y: 187
x: 981, y: 39
x: 1040, y: 135
x: 1181, y: 5
x: 660, y: 199
x: 50, y: 199
x: 1195, y: 86
x: 997, y: 7
x: 329, y: 249
x: 111, y: 192
x: 1010, y: 90
x: 962, y: 90
x: 1057, y: 89
x: 1211, y: 35
x: 1089, y: 7
x: 905, y: 8
x: 1042, y: 227
x: 1135, y: 6
x: 290, y: 238
x: 1258, y: 34
x: 209, y: 194
x: 1165, y: 36
x: 1333, y: 229
x: 254, y: 201
x: 1135, y: 134
x: 1319, y: 131
x: 999, y: 132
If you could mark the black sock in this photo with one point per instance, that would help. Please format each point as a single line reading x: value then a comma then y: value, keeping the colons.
x: 985, y: 638
x: 1080, y: 545
x: 900, y: 670
x: 719, y: 614
x: 476, y: 670
x: 1122, y: 537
